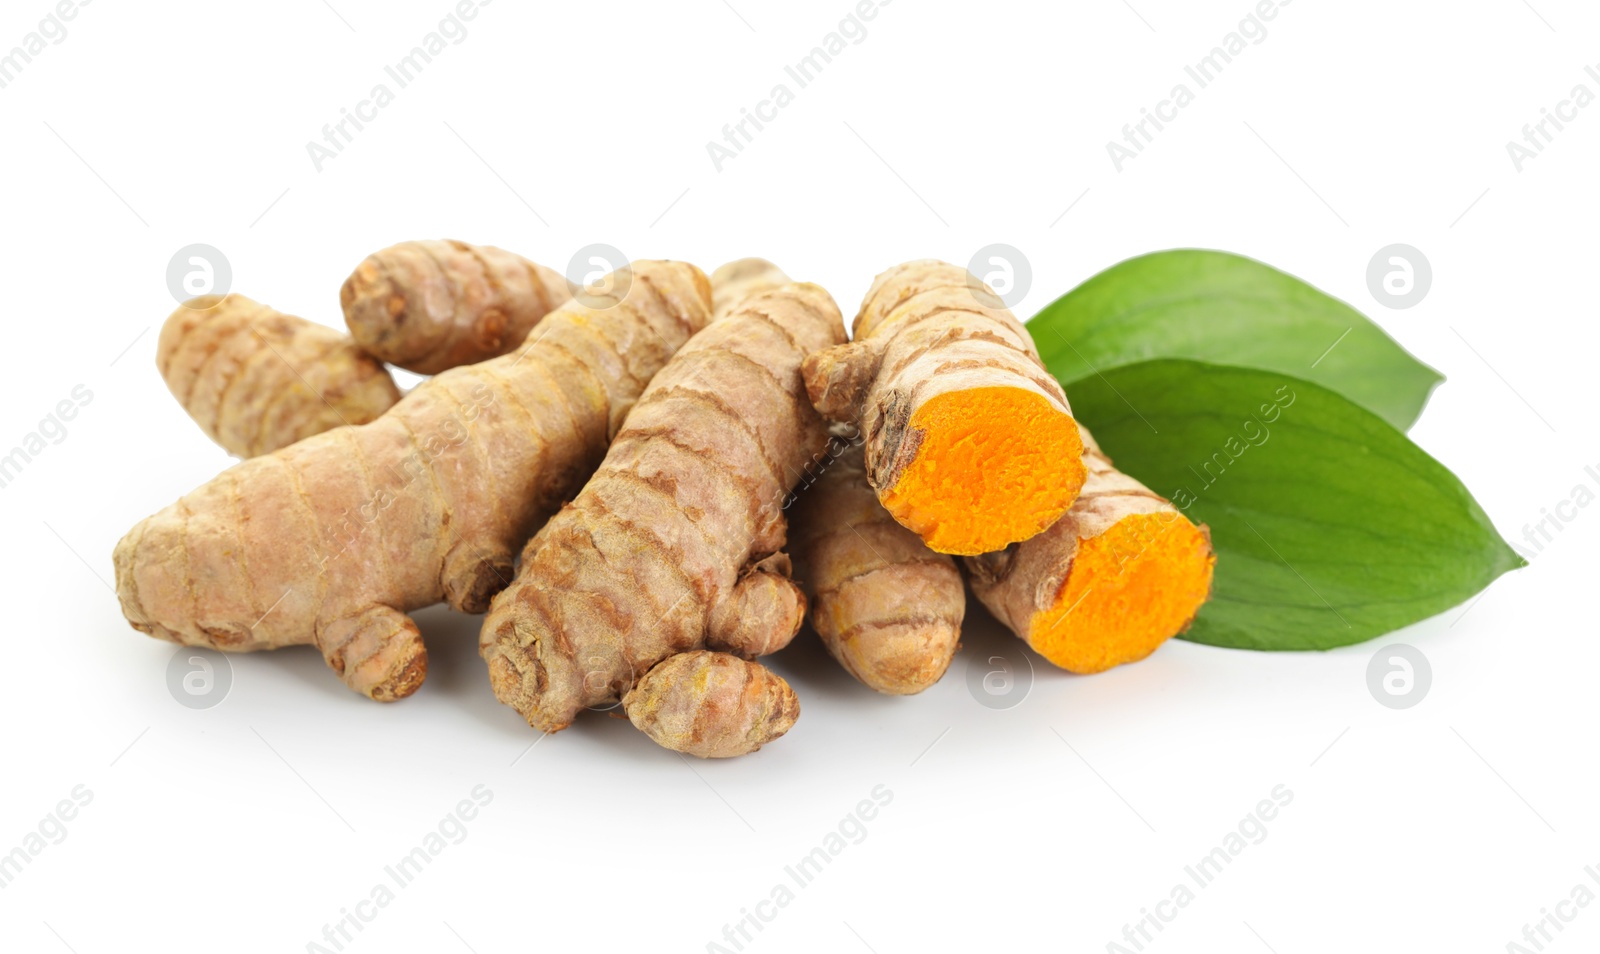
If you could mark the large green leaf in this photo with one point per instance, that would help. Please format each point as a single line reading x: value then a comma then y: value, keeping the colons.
x: 1330, y: 526
x: 1224, y: 308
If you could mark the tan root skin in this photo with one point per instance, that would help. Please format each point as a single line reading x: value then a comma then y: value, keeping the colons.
x: 673, y: 546
x: 887, y: 607
x: 332, y: 540
x: 1120, y: 574
x: 711, y: 705
x: 970, y: 442
x: 732, y: 283
x: 256, y: 379
x: 431, y: 306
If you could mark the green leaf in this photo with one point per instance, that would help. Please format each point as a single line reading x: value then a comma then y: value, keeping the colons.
x: 1330, y: 526
x: 1224, y: 308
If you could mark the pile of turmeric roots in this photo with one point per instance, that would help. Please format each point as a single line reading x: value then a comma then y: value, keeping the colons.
x: 646, y: 484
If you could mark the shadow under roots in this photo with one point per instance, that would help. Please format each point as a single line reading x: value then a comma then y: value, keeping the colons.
x: 610, y: 730
x: 984, y: 638
x: 815, y: 674
x: 458, y: 674
x: 304, y: 665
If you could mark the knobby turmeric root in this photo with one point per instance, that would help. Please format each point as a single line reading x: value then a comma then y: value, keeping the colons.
x: 1111, y: 581
x: 711, y: 705
x: 332, y: 540
x: 970, y: 442
x: 732, y: 283
x: 887, y: 607
x: 674, y: 546
x: 256, y: 379
x: 431, y: 306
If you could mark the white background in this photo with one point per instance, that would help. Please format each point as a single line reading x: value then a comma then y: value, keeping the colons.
x: 1354, y: 125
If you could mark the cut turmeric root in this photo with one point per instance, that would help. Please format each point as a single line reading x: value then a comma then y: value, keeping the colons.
x: 1121, y: 573
x: 256, y: 379
x: 674, y: 546
x: 332, y: 540
x: 431, y: 306
x: 970, y: 443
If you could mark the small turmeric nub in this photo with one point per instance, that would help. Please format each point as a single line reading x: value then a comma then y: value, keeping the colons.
x: 711, y: 705
x: 257, y: 380
x: 431, y: 306
x: 739, y: 279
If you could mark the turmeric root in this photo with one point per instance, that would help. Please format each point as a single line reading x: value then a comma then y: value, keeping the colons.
x: 431, y: 306
x: 887, y: 607
x: 673, y: 546
x: 256, y: 379
x: 711, y: 705
x: 1111, y: 581
x: 970, y: 443
x: 331, y: 541
x: 732, y: 283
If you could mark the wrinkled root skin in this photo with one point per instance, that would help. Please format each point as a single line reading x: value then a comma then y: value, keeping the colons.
x: 959, y: 416
x: 711, y: 705
x: 1120, y: 574
x: 378, y: 654
x: 332, y: 540
x: 887, y: 607
x: 732, y: 283
x: 763, y: 614
x: 435, y: 305
x: 257, y: 380
x: 675, y: 544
